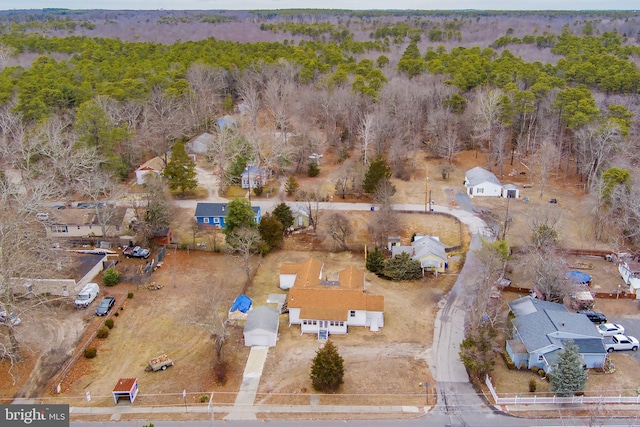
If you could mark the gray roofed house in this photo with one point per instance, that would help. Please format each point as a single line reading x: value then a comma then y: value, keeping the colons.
x: 261, y: 327
x: 540, y: 330
x: 428, y: 250
x: 481, y: 182
x: 199, y: 144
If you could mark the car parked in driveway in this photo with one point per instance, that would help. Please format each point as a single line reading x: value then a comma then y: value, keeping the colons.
x: 594, y: 316
x: 105, y: 305
x: 610, y: 329
x: 13, y: 318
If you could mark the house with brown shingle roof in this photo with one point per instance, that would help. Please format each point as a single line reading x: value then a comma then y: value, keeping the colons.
x: 307, y: 272
x: 326, y: 307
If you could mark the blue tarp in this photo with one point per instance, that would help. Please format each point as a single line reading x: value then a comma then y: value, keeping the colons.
x: 242, y: 303
x: 578, y: 276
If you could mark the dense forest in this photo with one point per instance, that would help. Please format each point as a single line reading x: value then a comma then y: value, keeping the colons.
x: 104, y: 90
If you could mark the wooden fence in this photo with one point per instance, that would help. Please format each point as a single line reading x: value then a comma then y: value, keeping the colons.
x: 552, y: 400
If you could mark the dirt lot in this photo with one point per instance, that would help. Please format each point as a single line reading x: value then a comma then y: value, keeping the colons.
x: 173, y: 320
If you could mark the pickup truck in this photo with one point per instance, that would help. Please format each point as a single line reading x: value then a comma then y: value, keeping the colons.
x: 136, y: 252
x: 620, y: 342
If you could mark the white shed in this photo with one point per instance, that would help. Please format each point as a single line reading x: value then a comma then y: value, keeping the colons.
x: 261, y: 327
x: 510, y: 191
x: 481, y: 182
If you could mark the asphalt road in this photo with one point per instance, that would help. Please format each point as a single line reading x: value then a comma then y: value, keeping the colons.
x: 632, y: 327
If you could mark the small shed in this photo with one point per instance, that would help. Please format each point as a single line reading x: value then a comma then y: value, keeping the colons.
x: 261, y: 328
x: 126, y: 387
x: 510, y: 191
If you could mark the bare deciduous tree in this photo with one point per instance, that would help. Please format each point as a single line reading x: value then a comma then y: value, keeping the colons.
x: 545, y: 160
x: 340, y: 229
x: 244, y: 242
x: 384, y: 223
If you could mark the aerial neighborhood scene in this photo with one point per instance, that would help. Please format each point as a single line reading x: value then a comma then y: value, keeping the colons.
x: 329, y: 214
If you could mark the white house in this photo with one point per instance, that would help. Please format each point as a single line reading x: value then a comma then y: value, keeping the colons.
x: 429, y: 250
x: 481, y: 182
x: 510, y: 191
x: 253, y: 177
x: 330, y: 307
x: 261, y: 327
x: 155, y: 166
x: 308, y: 272
x: 630, y: 273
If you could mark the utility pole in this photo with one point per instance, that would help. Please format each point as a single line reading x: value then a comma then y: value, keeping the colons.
x: 426, y: 191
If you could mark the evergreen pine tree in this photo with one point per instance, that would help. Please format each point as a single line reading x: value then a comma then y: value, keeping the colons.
x: 327, y: 370
x: 568, y: 375
x: 375, y: 260
x: 181, y: 171
x: 378, y: 171
x: 291, y: 186
x: 283, y: 213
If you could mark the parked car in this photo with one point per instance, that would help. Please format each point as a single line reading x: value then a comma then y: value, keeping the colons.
x: 83, y: 205
x: 594, y: 316
x: 105, y: 306
x: 13, y: 318
x: 58, y: 207
x: 86, y: 296
x: 621, y: 342
x: 42, y: 216
x: 610, y: 329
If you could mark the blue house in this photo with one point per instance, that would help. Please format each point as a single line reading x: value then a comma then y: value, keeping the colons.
x: 215, y: 213
x: 540, y: 329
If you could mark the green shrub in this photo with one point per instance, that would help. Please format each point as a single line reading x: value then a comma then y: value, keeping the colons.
x: 130, y: 295
x: 507, y: 360
x: 110, y: 277
x: 541, y: 372
x: 258, y: 189
x: 109, y: 323
x: 534, y: 369
x: 204, y: 398
x: 103, y: 332
x: 90, y: 352
x: 116, y: 314
x: 533, y: 386
x: 314, y: 170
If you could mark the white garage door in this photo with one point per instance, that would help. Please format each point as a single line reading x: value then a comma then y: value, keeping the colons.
x: 260, y: 339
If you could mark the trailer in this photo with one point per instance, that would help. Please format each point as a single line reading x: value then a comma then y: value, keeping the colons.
x: 160, y: 363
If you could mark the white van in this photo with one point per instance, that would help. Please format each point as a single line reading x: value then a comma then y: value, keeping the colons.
x: 87, y: 295
x: 42, y: 216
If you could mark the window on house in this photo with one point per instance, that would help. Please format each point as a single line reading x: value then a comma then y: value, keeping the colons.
x: 540, y: 358
x: 314, y: 322
x: 59, y: 229
x: 479, y: 190
x: 216, y: 220
x: 78, y: 227
x: 205, y: 220
x: 352, y: 313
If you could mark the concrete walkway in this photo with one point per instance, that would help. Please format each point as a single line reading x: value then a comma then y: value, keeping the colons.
x: 249, y: 388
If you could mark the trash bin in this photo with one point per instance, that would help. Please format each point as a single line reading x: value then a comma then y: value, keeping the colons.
x: 373, y: 208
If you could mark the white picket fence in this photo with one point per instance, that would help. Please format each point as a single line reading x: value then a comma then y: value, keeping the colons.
x: 549, y: 400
